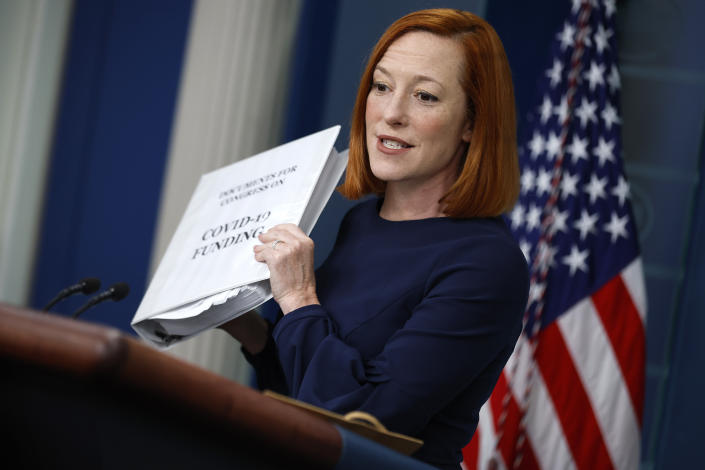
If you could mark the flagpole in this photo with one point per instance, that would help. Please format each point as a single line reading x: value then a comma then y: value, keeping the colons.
x: 542, y: 260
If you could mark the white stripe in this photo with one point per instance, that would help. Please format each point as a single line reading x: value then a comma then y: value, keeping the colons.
x: 488, y: 436
x: 633, y: 277
x: 512, y: 358
x: 602, y: 379
x: 33, y: 41
x: 486, y: 446
x: 544, y: 430
x: 519, y: 362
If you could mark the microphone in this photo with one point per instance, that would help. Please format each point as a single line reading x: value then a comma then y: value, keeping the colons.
x: 115, y: 293
x: 86, y: 286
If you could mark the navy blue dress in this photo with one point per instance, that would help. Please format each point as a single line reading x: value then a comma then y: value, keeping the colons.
x: 417, y: 319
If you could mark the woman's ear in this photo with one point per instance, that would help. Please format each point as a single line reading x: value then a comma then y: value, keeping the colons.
x: 467, y: 133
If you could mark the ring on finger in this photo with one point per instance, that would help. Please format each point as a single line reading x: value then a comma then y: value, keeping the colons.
x: 275, y: 243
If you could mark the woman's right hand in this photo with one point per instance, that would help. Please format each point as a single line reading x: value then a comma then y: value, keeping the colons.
x: 288, y: 253
x: 250, y: 329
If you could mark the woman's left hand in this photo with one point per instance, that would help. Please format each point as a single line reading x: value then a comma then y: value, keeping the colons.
x: 288, y: 253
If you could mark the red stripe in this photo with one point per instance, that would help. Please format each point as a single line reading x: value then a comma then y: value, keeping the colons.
x: 510, y: 428
x: 528, y: 461
x: 511, y: 424
x: 471, y: 451
x: 570, y: 401
x: 625, y: 330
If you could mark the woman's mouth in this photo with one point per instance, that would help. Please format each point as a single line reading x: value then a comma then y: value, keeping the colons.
x: 393, y: 144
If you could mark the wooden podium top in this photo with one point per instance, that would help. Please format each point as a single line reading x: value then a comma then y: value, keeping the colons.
x: 93, y: 353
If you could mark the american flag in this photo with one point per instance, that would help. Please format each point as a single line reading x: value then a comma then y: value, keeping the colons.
x: 571, y: 395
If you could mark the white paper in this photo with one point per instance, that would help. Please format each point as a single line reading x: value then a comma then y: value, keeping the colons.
x: 208, y: 274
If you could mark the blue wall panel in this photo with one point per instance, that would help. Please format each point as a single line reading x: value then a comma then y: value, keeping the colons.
x: 680, y: 428
x: 120, y: 84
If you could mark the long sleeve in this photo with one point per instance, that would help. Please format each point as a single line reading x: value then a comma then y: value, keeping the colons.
x: 268, y: 369
x: 460, y: 334
x: 417, y: 319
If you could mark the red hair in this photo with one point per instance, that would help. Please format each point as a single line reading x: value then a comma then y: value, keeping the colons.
x: 488, y: 184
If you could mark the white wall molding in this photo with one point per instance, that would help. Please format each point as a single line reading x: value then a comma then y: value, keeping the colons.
x: 32, y: 40
x: 230, y: 106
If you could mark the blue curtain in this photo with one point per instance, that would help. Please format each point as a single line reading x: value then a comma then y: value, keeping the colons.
x: 112, y: 131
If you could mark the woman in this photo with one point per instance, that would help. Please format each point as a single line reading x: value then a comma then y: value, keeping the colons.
x: 418, y: 307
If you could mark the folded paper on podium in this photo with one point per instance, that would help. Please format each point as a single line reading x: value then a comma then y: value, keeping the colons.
x: 358, y: 422
x: 208, y: 274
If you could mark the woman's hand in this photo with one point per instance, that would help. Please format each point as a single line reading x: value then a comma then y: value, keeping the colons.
x: 288, y: 253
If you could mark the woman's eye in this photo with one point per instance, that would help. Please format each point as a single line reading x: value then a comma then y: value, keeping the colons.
x: 379, y: 87
x: 426, y: 97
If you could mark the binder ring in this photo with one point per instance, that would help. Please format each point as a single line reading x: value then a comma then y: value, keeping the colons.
x: 366, y: 418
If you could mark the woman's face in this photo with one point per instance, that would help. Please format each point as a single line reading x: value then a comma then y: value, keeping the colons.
x: 416, y: 115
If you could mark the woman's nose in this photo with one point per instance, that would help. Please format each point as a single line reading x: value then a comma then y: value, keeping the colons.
x: 395, y: 112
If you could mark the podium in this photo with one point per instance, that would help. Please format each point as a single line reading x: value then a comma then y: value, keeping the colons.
x: 80, y: 395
